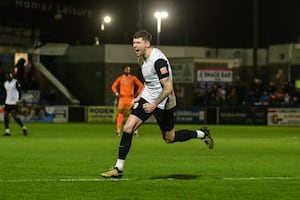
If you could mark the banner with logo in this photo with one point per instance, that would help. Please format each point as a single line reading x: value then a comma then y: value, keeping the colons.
x: 243, y: 115
x: 60, y: 113
x: 284, y: 116
x: 189, y: 115
x: 100, y: 113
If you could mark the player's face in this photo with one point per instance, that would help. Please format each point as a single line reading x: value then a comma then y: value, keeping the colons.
x: 8, y: 76
x: 139, y: 46
x: 127, y: 70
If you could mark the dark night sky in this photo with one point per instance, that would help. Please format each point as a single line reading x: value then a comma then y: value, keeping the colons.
x: 212, y: 23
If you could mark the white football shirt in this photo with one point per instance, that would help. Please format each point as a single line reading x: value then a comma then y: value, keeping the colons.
x: 153, y: 86
x: 12, y: 93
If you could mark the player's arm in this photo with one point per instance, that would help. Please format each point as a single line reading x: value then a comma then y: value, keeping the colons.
x: 115, y: 85
x: 139, y: 84
x: 161, y: 67
x: 162, y: 70
x: 137, y: 98
x: 166, y: 91
x: 18, y: 87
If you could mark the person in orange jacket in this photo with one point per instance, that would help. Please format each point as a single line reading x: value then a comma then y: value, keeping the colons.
x: 124, y: 89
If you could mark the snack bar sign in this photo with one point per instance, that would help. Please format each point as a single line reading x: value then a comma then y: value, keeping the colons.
x: 220, y: 75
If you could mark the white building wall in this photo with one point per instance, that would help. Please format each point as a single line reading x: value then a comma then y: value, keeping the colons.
x: 125, y: 53
x: 245, y: 56
x: 280, y: 53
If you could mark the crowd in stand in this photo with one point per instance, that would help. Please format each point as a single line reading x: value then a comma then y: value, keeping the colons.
x: 241, y: 94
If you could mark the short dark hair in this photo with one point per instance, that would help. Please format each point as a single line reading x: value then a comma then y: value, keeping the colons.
x: 126, y: 66
x: 143, y: 34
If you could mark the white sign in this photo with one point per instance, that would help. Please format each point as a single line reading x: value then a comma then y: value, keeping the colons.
x: 60, y: 114
x: 284, y: 117
x: 214, y: 75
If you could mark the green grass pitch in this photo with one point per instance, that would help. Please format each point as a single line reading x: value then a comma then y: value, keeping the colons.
x: 63, y: 161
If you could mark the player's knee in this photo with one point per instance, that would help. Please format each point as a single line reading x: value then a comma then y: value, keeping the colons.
x: 127, y: 128
x: 168, y: 141
x: 168, y: 138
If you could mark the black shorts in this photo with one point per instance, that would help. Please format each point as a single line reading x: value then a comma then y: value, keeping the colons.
x: 164, y: 118
x: 11, y: 108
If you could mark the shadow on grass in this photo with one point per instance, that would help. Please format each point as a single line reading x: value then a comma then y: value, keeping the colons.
x: 175, y: 177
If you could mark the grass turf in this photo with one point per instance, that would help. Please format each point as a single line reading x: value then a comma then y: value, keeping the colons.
x: 63, y: 161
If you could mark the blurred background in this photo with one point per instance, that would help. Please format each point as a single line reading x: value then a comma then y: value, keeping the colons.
x: 224, y: 54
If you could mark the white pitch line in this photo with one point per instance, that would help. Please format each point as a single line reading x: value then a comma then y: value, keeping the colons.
x: 62, y: 180
x: 262, y: 178
x: 126, y: 179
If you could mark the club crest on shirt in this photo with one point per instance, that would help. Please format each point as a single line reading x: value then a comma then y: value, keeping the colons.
x: 164, y: 70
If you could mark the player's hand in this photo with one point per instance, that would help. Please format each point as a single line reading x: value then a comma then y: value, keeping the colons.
x: 135, y: 100
x: 149, y: 107
x: 117, y: 94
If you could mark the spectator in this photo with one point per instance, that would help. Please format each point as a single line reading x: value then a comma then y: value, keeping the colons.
x: 20, y: 72
x: 286, y: 99
x: 265, y: 98
x: 28, y: 75
x: 221, y: 95
x: 232, y: 98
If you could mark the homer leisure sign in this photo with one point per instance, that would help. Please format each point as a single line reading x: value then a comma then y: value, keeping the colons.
x: 54, y: 7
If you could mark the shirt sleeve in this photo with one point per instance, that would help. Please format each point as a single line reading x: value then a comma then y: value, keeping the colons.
x: 162, y: 68
x: 115, y: 85
x: 18, y: 87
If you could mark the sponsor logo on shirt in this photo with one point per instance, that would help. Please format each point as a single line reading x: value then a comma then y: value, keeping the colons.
x: 163, y: 70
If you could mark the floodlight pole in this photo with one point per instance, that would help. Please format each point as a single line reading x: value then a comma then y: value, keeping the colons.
x: 158, y: 30
x: 159, y: 15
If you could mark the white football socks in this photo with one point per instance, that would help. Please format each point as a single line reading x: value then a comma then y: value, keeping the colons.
x: 200, y: 134
x: 120, y: 164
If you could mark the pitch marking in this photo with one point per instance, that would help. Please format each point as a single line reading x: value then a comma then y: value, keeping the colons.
x: 261, y: 178
x: 126, y: 179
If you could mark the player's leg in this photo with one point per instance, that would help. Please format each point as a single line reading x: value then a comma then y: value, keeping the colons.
x: 127, y: 111
x: 124, y: 147
x: 119, y: 122
x: 165, y: 120
x: 131, y: 124
x: 120, y: 116
x: 184, y: 135
x: 6, y: 120
x: 135, y: 119
x: 18, y: 120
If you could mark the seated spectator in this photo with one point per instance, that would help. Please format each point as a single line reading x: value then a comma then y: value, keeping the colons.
x: 251, y: 98
x: 286, y: 98
x: 221, y: 95
x: 37, y: 113
x: 277, y: 98
x: 232, y: 98
x: 265, y: 98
